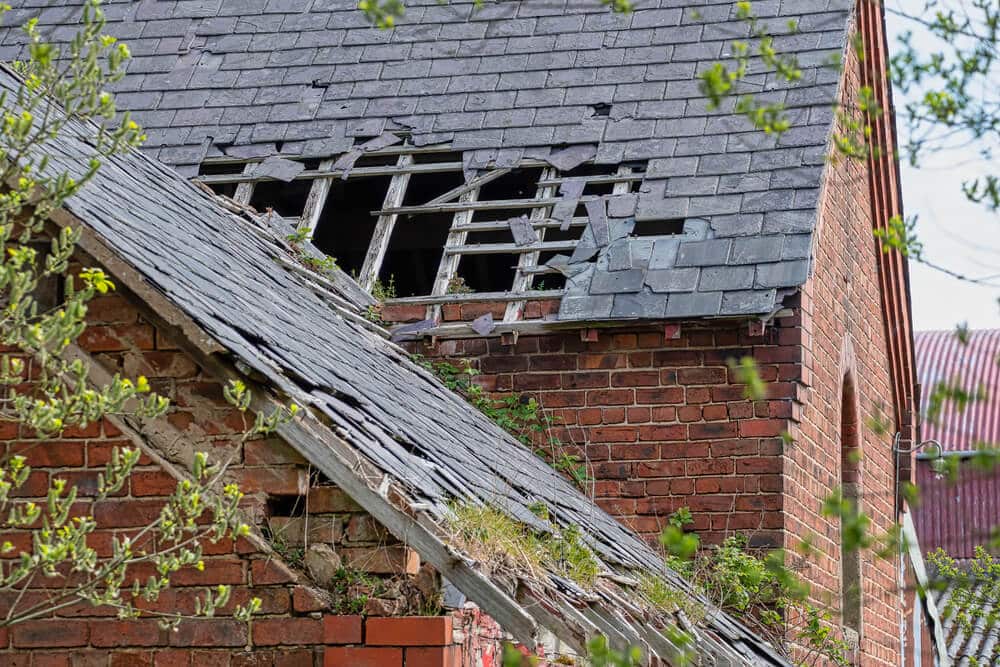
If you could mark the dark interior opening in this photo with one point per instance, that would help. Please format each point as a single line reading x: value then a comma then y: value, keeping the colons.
x: 417, y: 242
x: 287, y: 199
x: 213, y: 169
x: 547, y: 281
x: 518, y: 184
x: 495, y: 272
x: 345, y: 227
x: 658, y: 227
x: 444, y: 156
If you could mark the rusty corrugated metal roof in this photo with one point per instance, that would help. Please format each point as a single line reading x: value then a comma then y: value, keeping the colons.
x: 942, y: 357
x: 958, y: 515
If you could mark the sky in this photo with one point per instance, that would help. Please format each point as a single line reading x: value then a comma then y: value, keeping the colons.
x: 956, y: 234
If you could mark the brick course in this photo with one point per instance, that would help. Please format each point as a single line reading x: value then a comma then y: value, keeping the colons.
x: 296, y: 625
x: 662, y: 422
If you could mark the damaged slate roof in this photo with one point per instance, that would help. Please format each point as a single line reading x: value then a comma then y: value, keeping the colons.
x: 309, y: 78
x: 233, y: 282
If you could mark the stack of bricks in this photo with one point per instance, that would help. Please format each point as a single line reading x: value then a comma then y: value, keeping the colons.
x: 328, y: 640
x: 413, y: 641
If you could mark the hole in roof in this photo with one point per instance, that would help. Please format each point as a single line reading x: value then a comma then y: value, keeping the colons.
x: 220, y: 168
x: 417, y: 241
x: 518, y: 184
x: 346, y: 225
x: 547, y: 281
x: 376, y: 160
x: 486, y: 273
x: 669, y: 227
x: 287, y: 199
x: 493, y: 272
x: 437, y: 157
x: 601, y: 109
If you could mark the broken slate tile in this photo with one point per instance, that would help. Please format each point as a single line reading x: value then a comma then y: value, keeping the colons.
x: 583, y: 252
x: 640, y: 250
x: 561, y: 264
x: 672, y: 280
x: 410, y: 329
x: 621, y: 228
x: 384, y: 140
x: 346, y: 162
x: 563, y: 211
x: 664, y: 253
x: 597, y: 212
x: 617, y: 282
x: 619, y: 255
x: 279, y: 169
x: 644, y: 305
x: 579, y: 282
x: 572, y: 157
x: 483, y: 325
x: 522, y: 231
x: 585, y: 307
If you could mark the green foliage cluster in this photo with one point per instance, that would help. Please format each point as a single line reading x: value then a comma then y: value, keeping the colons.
x: 949, y: 82
x: 352, y: 589
x: 60, y: 87
x: 720, y: 81
x: 319, y: 264
x: 506, y: 546
x: 457, y: 285
x: 519, y: 415
x: 758, y: 587
x: 973, y: 590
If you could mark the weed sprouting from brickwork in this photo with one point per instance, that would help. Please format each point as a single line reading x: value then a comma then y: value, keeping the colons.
x: 519, y: 415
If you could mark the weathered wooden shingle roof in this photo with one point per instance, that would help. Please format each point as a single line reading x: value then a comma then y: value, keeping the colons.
x: 254, y: 78
x: 395, y: 435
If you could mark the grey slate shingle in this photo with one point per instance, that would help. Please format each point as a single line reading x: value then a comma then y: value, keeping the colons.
x: 513, y: 78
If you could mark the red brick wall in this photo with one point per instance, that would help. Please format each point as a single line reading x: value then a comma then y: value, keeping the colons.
x: 844, y: 332
x: 662, y: 422
x: 297, y: 624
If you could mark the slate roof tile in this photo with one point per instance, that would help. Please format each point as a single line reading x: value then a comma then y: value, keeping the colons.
x: 508, y: 76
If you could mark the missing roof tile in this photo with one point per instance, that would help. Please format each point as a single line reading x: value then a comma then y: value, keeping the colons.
x: 668, y: 227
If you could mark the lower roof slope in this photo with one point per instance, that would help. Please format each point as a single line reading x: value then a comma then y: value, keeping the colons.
x: 230, y: 281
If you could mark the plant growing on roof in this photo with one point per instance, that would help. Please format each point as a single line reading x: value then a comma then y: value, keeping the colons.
x: 519, y: 415
x: 44, y: 384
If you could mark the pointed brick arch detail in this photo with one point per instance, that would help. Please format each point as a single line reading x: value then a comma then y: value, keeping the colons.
x: 851, y: 483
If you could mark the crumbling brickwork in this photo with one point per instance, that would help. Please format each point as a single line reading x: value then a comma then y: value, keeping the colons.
x: 303, y: 620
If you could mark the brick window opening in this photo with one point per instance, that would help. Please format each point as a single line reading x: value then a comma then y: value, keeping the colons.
x: 439, y: 229
x: 850, y: 482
